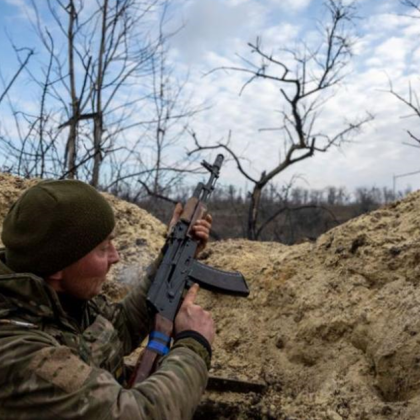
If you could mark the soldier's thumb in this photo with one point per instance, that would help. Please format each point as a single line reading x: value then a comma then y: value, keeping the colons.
x: 191, y: 295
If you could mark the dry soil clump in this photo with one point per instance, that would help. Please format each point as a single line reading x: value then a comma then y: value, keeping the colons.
x: 330, y: 330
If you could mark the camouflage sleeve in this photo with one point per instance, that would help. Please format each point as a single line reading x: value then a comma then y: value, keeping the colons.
x: 51, y: 382
x: 131, y: 317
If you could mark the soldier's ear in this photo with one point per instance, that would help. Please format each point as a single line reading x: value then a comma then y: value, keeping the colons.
x: 54, y: 280
x: 56, y: 276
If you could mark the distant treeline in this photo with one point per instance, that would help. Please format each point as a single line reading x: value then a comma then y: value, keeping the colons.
x: 287, y: 215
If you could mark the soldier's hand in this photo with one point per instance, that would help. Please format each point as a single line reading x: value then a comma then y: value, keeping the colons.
x: 201, y: 232
x: 194, y: 317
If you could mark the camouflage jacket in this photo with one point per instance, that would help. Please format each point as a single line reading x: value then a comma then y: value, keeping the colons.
x: 51, y: 367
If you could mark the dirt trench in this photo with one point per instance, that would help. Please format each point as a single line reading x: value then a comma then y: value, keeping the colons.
x: 330, y: 330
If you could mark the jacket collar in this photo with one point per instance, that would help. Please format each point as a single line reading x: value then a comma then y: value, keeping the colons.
x: 28, y: 292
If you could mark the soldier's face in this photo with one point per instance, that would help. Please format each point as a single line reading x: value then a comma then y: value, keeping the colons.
x: 84, y: 278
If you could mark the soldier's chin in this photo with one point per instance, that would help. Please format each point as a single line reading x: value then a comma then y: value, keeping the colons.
x: 97, y: 290
x: 101, y: 285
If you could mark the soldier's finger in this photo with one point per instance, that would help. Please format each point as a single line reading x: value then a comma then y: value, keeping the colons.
x: 201, y: 236
x: 191, y: 294
x: 203, y: 222
x: 201, y: 229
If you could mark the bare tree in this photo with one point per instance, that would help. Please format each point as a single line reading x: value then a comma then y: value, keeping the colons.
x: 109, y: 96
x: 411, y: 101
x: 280, y: 202
x: 6, y: 96
x: 21, y: 154
x: 161, y: 163
x: 303, y: 86
x: 106, y: 53
x: 94, y: 84
x: 172, y: 113
x: 413, y: 105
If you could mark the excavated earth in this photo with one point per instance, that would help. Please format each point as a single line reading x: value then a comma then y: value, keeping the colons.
x: 330, y: 331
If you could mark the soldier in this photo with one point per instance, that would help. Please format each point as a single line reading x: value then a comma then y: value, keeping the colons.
x: 62, y: 343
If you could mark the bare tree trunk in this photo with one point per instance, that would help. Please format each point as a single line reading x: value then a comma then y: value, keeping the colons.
x: 98, y: 119
x: 159, y: 135
x: 71, y: 151
x: 97, y: 144
x: 71, y: 147
x: 253, y: 211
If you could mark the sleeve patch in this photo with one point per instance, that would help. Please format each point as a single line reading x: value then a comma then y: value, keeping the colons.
x: 59, y: 366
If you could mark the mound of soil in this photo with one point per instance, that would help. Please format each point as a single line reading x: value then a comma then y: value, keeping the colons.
x: 330, y: 330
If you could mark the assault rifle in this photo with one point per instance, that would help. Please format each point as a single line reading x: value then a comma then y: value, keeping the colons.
x: 178, y: 271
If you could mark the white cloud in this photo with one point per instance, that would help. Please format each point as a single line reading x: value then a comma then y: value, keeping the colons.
x: 280, y: 36
x: 393, y: 52
x: 24, y: 9
x: 21, y: 4
x: 376, y: 26
x: 294, y: 5
x: 214, y: 25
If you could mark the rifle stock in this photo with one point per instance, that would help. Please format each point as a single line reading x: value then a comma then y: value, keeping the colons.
x: 147, y: 361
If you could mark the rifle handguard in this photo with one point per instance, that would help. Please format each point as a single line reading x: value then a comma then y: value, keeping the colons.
x: 194, y: 210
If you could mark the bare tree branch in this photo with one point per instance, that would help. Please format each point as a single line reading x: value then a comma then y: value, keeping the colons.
x: 155, y: 194
x: 302, y: 86
x: 412, y: 103
x: 16, y: 75
x: 293, y: 209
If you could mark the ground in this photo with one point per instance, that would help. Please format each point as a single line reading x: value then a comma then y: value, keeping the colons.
x: 330, y: 330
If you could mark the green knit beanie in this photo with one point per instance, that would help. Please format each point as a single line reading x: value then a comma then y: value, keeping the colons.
x: 54, y: 224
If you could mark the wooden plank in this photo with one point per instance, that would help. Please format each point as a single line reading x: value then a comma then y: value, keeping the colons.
x: 221, y: 384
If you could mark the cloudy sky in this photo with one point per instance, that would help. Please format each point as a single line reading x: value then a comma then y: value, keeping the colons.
x: 215, y: 34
